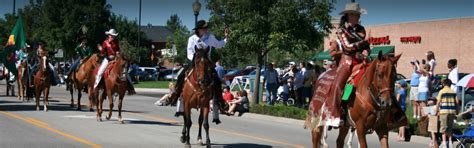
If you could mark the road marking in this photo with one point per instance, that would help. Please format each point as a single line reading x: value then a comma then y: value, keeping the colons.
x: 94, y: 117
x: 45, y: 126
x: 234, y: 133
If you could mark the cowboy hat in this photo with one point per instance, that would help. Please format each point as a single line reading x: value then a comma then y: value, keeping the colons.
x: 353, y: 8
x: 201, y: 24
x: 111, y: 32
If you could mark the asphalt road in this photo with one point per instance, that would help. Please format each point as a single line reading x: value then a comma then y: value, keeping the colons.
x: 146, y: 125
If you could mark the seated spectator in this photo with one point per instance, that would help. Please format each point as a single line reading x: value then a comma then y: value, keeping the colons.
x: 165, y: 99
x: 240, y: 104
x: 227, y: 95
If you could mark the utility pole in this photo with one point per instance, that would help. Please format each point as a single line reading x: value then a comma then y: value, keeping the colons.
x: 14, y: 7
x: 139, y: 23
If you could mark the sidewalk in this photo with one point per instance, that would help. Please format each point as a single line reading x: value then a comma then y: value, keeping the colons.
x: 152, y: 90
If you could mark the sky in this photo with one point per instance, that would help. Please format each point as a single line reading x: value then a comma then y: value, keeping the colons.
x: 157, y: 12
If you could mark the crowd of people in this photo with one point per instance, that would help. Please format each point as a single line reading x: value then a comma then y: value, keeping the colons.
x: 438, y: 110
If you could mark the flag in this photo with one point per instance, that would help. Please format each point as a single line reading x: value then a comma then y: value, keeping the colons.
x: 16, y: 41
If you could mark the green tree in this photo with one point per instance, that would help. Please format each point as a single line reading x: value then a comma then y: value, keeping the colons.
x: 179, y: 39
x: 258, y: 27
x: 128, y: 33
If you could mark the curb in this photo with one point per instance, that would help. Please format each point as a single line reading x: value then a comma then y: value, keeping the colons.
x: 152, y: 90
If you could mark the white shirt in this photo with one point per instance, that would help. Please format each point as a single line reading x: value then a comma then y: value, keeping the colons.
x: 423, y: 86
x: 454, y: 77
x: 432, y: 64
x: 206, y: 40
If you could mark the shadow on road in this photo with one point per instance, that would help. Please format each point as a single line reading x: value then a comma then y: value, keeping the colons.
x: 152, y: 123
x: 31, y: 106
x: 240, y: 145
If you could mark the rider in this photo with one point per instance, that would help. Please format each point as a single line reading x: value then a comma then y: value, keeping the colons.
x: 109, y: 50
x: 353, y: 41
x: 41, y: 52
x: 201, y: 38
x: 83, y: 51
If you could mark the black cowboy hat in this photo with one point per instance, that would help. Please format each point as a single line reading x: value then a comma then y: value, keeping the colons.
x: 201, y: 24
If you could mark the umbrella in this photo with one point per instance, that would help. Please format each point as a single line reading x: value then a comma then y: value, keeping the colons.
x: 467, y: 81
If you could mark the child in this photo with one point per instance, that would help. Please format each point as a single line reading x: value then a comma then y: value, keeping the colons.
x: 240, y: 104
x: 165, y: 99
x: 401, y: 97
x: 433, y: 124
x: 227, y: 95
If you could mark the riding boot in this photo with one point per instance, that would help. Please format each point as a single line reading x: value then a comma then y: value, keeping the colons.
x: 131, y: 89
x: 175, y: 95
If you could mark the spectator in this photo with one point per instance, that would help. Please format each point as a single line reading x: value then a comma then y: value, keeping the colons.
x: 453, y: 73
x: 227, y: 95
x: 433, y: 121
x: 309, y: 78
x: 414, y: 82
x: 270, y: 79
x: 430, y: 57
x: 220, y: 70
x: 284, y: 90
x: 165, y: 100
x: 298, y: 86
x: 240, y: 104
x: 447, y: 111
x: 401, y: 97
x: 424, y: 85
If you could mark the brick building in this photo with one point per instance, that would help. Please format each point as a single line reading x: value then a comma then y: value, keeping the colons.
x: 447, y: 38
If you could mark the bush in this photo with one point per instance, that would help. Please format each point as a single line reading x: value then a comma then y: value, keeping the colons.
x: 280, y: 111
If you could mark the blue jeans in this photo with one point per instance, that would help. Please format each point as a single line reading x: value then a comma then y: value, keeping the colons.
x: 271, y: 89
x: 73, y: 66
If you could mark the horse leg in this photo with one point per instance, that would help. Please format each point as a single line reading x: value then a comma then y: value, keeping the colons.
x: 45, y: 99
x: 94, y: 96
x: 361, y: 131
x: 120, y: 108
x: 71, y: 91
x: 79, y: 96
x: 91, y: 107
x: 183, y: 136
x: 316, y: 136
x: 201, y: 119
x: 18, y: 83
x: 342, y: 136
x: 205, y: 111
x: 351, y: 137
x: 111, y: 104
x: 101, y: 98
x: 188, y: 122
x: 382, y: 132
x: 37, y: 96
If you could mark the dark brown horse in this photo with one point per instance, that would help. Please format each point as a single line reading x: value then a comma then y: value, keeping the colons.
x: 197, y: 92
x: 42, y: 80
x: 22, y: 80
x: 371, y: 108
x: 79, y: 79
x: 115, y: 81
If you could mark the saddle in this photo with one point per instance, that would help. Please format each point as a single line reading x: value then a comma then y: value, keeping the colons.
x: 109, y: 67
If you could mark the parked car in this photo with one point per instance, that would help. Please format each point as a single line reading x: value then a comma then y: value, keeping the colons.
x: 167, y: 74
x: 232, y: 74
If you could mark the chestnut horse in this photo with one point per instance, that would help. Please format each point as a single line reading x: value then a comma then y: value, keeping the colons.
x: 80, y: 78
x: 42, y: 80
x: 22, y: 80
x: 371, y: 108
x: 115, y: 82
x: 197, y: 92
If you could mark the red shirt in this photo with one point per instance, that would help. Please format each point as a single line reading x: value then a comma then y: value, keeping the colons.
x: 228, y: 97
x: 110, y: 46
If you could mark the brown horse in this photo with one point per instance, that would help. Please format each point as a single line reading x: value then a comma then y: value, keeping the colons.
x: 42, y: 80
x: 79, y: 79
x: 372, y: 106
x: 115, y: 81
x: 197, y: 92
x: 22, y: 80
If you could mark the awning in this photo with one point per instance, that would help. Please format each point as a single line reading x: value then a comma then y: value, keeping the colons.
x: 386, y: 50
x: 324, y: 55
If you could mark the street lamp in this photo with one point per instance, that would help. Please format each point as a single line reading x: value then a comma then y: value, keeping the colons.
x: 196, y: 9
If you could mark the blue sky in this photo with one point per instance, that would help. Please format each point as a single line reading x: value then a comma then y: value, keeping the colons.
x: 157, y: 12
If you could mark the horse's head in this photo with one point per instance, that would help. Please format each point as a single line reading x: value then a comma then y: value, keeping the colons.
x: 384, y: 78
x: 202, y: 66
x: 42, y: 63
x: 122, y: 66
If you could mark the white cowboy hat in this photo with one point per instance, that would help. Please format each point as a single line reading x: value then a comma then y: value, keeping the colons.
x: 111, y: 32
x: 354, y: 8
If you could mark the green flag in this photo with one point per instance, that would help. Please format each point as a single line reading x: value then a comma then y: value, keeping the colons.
x: 16, y: 41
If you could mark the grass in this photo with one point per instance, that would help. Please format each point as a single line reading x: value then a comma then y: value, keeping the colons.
x: 152, y: 84
x: 280, y: 110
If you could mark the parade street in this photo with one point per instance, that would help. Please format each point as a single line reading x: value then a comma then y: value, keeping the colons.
x: 146, y: 125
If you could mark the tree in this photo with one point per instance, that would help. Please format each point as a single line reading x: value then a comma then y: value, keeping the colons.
x: 128, y: 32
x: 179, y: 39
x: 258, y: 27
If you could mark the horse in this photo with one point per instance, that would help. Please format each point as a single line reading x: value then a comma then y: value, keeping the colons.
x: 42, y: 83
x: 197, y: 92
x: 115, y: 81
x: 370, y: 108
x: 79, y: 79
x: 22, y: 80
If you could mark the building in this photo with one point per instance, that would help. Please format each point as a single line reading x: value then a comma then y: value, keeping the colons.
x: 447, y: 38
x: 157, y: 36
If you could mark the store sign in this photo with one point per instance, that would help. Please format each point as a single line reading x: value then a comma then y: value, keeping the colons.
x: 379, y: 40
x: 411, y: 39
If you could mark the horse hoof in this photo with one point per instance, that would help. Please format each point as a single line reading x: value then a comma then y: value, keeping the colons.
x: 187, y: 145
x: 182, y: 139
x: 200, y: 142
x: 99, y: 119
x: 107, y: 117
x: 72, y: 105
x: 78, y: 109
x: 37, y: 109
x: 90, y: 109
x: 208, y: 143
x: 45, y: 110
